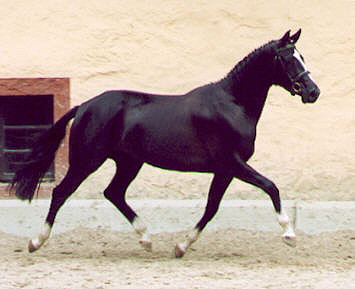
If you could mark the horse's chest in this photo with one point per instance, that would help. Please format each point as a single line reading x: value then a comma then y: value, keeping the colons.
x: 243, y: 139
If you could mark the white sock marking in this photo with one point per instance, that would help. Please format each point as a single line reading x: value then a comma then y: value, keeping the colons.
x: 285, y: 223
x: 141, y: 229
x: 43, y: 236
x: 190, y: 239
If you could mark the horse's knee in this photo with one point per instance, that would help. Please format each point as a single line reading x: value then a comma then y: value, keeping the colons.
x: 108, y: 194
x: 113, y: 195
x: 270, y: 188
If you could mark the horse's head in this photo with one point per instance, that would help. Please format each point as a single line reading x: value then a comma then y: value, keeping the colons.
x: 292, y: 73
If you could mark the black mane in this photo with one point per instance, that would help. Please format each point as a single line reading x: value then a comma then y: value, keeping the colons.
x: 244, y: 65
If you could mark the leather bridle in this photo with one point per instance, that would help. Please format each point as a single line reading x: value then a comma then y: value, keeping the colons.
x: 296, y: 85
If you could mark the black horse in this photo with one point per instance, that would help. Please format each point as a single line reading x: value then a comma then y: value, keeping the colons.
x: 210, y: 129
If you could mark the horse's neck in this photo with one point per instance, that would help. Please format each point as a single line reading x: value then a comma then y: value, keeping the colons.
x: 249, y: 84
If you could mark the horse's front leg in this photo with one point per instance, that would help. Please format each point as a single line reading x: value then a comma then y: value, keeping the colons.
x: 219, y: 184
x: 246, y: 173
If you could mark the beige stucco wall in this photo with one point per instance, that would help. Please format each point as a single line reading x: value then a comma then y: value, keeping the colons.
x: 173, y: 46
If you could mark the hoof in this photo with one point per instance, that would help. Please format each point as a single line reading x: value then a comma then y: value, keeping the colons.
x: 289, y: 240
x: 179, y: 252
x: 31, y: 247
x: 147, y: 245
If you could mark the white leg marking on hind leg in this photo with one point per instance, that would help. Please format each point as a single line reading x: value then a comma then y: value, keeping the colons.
x: 37, y: 242
x: 141, y: 229
x: 191, y: 237
x: 289, y: 236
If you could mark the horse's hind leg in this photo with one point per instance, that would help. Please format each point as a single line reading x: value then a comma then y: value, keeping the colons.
x: 127, y: 170
x: 60, y: 194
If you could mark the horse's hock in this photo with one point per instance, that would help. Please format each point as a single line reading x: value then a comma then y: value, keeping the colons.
x: 29, y: 106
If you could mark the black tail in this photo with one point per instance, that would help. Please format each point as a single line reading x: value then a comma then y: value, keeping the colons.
x: 27, y: 179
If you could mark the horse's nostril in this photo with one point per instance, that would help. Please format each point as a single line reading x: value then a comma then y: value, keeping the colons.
x: 314, y: 94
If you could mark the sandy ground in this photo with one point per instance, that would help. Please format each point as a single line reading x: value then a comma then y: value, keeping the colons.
x: 223, y: 259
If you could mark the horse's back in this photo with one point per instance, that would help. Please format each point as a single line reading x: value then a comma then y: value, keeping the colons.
x: 157, y: 129
x: 114, y: 120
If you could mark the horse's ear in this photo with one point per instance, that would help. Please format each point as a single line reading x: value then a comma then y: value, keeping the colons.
x: 285, y: 39
x: 294, y: 37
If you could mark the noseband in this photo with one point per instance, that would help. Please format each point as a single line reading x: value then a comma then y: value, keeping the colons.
x: 296, y: 86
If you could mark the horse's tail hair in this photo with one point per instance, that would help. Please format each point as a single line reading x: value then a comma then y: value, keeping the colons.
x: 27, y: 179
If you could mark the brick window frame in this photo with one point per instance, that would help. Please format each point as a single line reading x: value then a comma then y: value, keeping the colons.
x: 59, y: 88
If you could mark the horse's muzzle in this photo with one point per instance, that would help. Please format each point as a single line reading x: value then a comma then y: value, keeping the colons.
x: 311, y: 96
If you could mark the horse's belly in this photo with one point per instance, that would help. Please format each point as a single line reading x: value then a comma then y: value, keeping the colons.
x: 178, y: 157
x: 165, y: 142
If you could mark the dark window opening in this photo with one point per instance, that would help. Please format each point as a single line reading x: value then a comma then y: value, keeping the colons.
x: 21, y: 118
